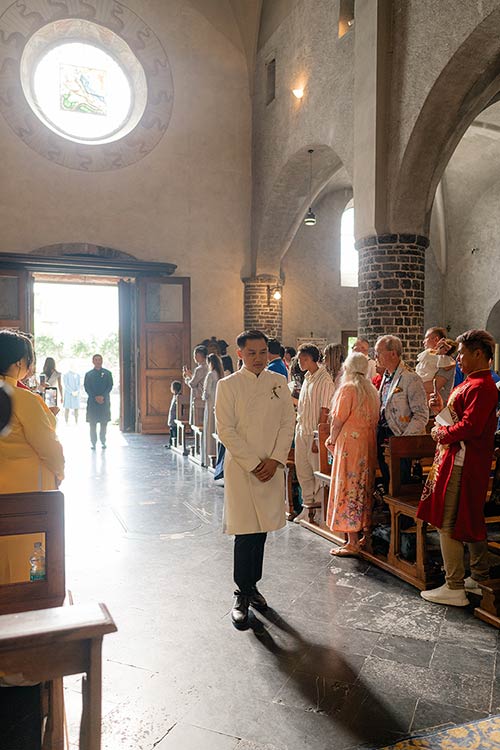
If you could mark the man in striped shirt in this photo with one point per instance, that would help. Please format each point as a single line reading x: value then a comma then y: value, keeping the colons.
x: 316, y: 392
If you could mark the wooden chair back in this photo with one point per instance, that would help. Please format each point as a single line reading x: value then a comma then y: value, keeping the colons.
x: 35, y: 513
x: 410, y: 447
x: 323, y: 432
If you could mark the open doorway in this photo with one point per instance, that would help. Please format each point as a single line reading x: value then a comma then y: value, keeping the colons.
x: 76, y: 317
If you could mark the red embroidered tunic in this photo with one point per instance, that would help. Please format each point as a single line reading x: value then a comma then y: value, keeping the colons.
x: 473, y: 408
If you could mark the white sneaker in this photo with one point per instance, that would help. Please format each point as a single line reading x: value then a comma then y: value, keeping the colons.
x: 303, y: 516
x: 445, y: 595
x: 473, y: 586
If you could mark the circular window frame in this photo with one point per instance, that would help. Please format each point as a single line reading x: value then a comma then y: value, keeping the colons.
x: 113, y: 20
x: 132, y: 70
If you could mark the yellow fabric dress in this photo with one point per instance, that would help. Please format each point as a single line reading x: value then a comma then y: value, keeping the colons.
x: 31, y: 460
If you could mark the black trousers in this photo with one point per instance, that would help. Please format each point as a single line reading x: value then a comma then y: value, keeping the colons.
x: 383, y: 434
x: 102, y: 432
x: 248, y: 559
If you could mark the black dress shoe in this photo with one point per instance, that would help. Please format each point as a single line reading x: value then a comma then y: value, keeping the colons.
x: 257, y: 601
x: 239, y: 612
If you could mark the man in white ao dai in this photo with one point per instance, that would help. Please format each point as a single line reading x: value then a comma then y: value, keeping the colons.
x: 255, y: 421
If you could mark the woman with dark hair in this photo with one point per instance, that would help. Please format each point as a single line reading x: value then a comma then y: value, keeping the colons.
x: 5, y: 408
x: 215, y: 373
x: 454, y: 494
x: 31, y: 457
x: 52, y: 378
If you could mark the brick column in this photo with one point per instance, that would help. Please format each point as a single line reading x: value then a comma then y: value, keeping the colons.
x: 391, y: 289
x: 260, y: 309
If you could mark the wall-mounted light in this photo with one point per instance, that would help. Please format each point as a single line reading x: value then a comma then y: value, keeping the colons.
x: 310, y: 218
x: 273, y: 292
x: 298, y: 93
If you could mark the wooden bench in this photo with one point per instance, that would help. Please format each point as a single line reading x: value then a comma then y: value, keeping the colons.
x: 400, y: 502
x: 195, y: 452
x: 183, y: 428
x: 34, y: 515
x: 212, y: 460
x: 47, y: 645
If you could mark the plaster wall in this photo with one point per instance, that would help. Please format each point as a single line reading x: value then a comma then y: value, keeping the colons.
x: 188, y: 201
x: 471, y: 286
x: 308, y: 54
x: 426, y: 34
x: 313, y: 299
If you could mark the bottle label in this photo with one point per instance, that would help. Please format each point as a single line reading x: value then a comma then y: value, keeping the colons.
x: 37, y: 575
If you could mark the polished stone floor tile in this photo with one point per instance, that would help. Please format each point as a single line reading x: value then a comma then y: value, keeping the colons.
x: 451, y: 657
x: 430, y: 715
x: 193, y: 738
x: 404, y: 650
x: 346, y: 657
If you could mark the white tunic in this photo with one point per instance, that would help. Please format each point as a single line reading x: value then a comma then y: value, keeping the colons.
x: 255, y: 420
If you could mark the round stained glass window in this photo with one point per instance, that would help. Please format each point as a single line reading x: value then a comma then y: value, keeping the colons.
x: 81, y: 90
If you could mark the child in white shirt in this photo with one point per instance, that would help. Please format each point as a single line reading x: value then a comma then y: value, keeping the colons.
x: 433, y: 359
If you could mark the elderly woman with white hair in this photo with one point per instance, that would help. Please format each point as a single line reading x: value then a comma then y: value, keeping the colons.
x: 352, y: 441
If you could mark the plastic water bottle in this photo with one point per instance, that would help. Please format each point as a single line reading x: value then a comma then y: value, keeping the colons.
x: 37, y: 563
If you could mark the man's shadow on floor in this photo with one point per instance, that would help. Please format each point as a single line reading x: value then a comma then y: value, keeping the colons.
x: 367, y: 717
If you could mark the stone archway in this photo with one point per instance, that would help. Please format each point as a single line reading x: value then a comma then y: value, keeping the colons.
x: 285, y: 210
x: 466, y: 85
x: 493, y: 323
x: 289, y: 201
x: 83, y: 250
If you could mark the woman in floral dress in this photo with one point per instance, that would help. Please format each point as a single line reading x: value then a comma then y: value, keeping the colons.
x: 352, y: 441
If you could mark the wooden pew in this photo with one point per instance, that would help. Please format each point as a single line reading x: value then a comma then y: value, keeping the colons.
x: 24, y: 518
x: 195, y: 450
x: 315, y: 520
x: 290, y: 480
x: 402, y: 501
x: 180, y: 443
x: 34, y: 513
x: 49, y: 644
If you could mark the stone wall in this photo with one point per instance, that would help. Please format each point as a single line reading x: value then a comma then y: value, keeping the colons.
x: 187, y: 201
x: 313, y: 298
x: 262, y: 311
x: 391, y: 289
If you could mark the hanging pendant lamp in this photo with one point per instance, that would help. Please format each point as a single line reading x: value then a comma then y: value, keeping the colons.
x: 310, y: 218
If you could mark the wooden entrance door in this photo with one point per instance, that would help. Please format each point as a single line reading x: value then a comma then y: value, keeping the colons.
x: 15, y: 299
x: 164, y: 345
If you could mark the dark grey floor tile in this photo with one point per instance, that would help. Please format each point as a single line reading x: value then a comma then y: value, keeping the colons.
x: 467, y: 631
x: 394, y: 616
x: 468, y: 691
x: 405, y: 650
x: 291, y: 728
x: 188, y: 737
x: 331, y: 663
x: 310, y: 692
x: 375, y: 717
x: 429, y: 715
x: 456, y: 657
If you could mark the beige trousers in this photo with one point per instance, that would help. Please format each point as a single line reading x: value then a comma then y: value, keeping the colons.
x: 306, y: 463
x: 452, y: 550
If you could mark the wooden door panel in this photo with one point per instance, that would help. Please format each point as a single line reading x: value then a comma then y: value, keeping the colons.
x: 164, y: 350
x: 15, y: 308
x: 164, y: 345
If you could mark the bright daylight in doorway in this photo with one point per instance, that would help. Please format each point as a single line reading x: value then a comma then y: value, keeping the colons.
x: 72, y: 323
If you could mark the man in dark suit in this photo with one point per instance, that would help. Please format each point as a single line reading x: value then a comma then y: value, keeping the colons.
x: 98, y: 384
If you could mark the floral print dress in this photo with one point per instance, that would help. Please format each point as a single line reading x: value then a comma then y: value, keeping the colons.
x: 354, y: 461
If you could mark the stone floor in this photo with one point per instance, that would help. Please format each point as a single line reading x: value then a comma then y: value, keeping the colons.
x: 348, y: 656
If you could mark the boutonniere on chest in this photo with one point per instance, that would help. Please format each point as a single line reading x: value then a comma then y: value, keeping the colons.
x: 397, y: 389
x: 275, y: 391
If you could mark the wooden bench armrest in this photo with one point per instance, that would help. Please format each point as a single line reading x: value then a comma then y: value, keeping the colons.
x: 43, y: 626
